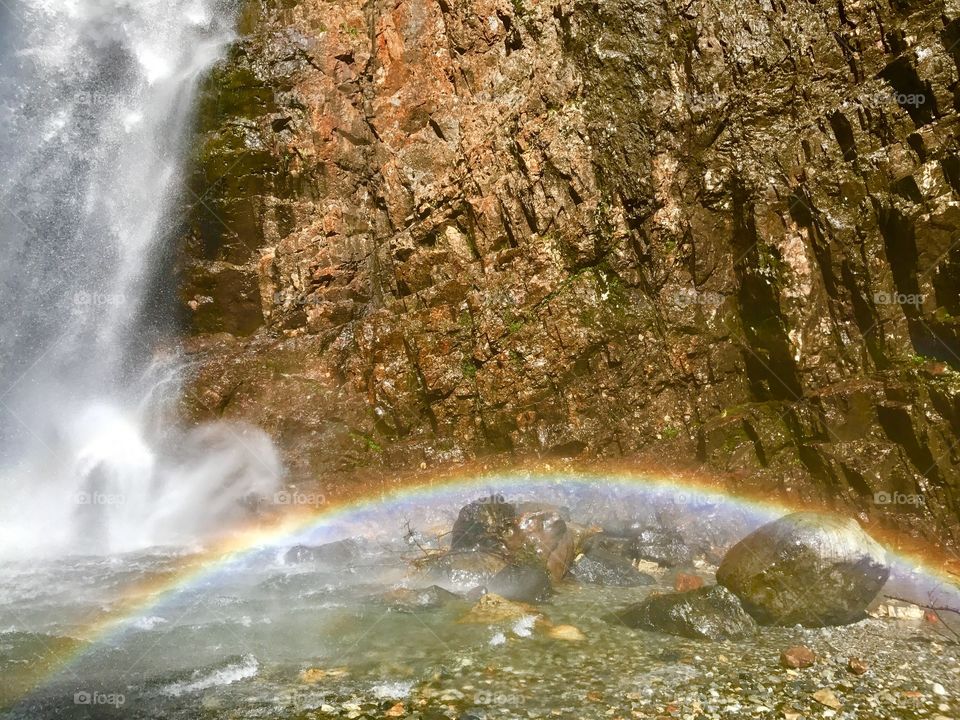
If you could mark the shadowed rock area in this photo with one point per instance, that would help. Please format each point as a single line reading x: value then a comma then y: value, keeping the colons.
x: 714, y: 234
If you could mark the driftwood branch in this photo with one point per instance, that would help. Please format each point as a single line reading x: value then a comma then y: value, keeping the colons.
x: 942, y: 627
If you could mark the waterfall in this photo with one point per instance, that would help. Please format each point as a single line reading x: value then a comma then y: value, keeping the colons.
x: 96, y: 100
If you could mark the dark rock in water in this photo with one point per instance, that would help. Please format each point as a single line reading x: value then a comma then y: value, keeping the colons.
x: 466, y: 568
x: 488, y: 524
x: 664, y: 547
x: 806, y: 568
x: 341, y: 552
x: 712, y: 613
x: 597, y: 566
x: 545, y: 532
x: 521, y: 583
x: 616, y: 544
x: 412, y: 600
x: 643, y: 542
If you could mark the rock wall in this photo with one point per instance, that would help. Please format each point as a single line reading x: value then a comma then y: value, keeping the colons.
x: 720, y: 234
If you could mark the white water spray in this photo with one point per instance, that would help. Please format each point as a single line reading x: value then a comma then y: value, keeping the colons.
x: 96, y: 99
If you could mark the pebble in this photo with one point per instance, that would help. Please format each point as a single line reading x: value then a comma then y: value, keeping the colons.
x: 857, y: 666
x: 826, y: 697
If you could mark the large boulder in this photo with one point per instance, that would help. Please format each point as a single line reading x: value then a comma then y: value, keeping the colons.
x: 544, y: 532
x: 807, y: 568
x: 598, y: 566
x: 488, y: 524
x: 710, y: 613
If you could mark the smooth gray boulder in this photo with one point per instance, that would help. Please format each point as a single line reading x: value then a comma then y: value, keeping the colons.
x: 806, y: 568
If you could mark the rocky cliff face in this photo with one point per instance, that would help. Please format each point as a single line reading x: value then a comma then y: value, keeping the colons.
x: 721, y: 234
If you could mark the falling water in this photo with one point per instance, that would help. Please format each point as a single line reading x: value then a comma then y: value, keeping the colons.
x: 95, y: 107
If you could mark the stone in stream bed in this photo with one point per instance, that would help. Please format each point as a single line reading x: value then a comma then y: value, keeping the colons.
x: 466, y: 568
x: 492, y: 609
x: 341, y: 552
x: 711, y: 613
x: 597, y: 566
x: 806, y: 568
x: 415, y: 599
x: 488, y: 524
x: 544, y: 531
x: 639, y: 542
x: 797, y: 657
x: 521, y: 583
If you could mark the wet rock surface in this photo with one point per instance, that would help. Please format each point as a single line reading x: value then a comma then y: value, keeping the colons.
x: 806, y: 568
x: 709, y: 234
x: 521, y: 583
x: 597, y: 566
x: 710, y: 613
x: 376, y: 644
x: 416, y: 599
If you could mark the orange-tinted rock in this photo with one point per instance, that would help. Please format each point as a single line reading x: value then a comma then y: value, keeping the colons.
x: 798, y: 656
x: 857, y: 666
x: 548, y: 534
x: 684, y: 581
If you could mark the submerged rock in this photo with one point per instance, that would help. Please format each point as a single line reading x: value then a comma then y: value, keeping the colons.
x: 411, y: 600
x: 340, y: 552
x: 806, y: 568
x: 712, y: 613
x: 521, y: 583
x: 493, y: 608
x: 597, y: 566
x: 465, y: 568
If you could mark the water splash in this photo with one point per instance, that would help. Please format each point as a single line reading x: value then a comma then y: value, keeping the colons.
x: 96, y: 100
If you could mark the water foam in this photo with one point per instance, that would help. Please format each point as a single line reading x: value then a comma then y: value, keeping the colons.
x: 96, y: 102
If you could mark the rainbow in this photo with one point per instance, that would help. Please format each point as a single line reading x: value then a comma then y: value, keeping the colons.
x: 347, y: 515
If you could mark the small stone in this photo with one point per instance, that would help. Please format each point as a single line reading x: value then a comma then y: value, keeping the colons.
x: 566, y: 632
x: 398, y: 710
x: 857, y: 666
x: 315, y: 675
x: 493, y: 608
x: 798, y: 656
x: 938, y: 689
x: 825, y: 697
x: 685, y: 581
